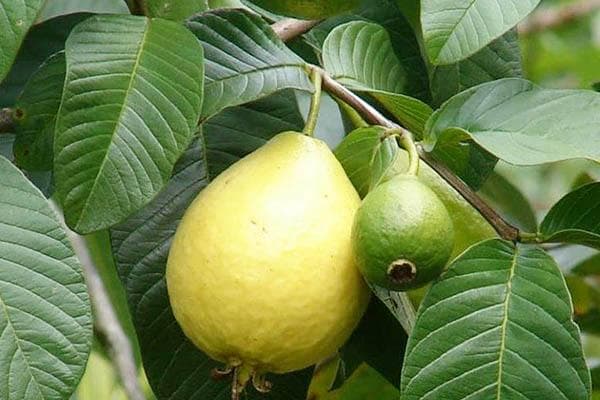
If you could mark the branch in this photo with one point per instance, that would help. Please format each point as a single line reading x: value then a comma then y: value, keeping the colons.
x: 289, y: 28
x: 7, y: 123
x: 503, y: 228
x: 107, y: 322
x: 557, y: 16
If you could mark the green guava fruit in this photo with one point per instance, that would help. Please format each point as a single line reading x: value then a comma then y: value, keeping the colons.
x: 403, y: 235
x: 308, y: 9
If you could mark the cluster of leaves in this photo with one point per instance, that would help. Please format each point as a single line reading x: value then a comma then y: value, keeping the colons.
x: 128, y: 128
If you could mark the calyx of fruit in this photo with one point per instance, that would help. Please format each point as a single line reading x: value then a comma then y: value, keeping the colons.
x: 260, y: 274
x: 403, y: 235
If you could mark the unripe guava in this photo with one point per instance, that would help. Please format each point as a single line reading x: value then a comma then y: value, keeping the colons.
x: 260, y: 274
x: 403, y: 235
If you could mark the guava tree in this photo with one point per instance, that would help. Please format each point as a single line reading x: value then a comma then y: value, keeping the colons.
x: 118, y: 114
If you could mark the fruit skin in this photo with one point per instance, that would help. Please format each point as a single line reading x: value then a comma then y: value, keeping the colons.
x: 308, y: 9
x: 260, y: 272
x: 402, y: 220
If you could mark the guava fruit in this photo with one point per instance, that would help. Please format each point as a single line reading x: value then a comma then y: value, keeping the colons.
x: 403, y: 235
x: 260, y: 273
x: 308, y: 9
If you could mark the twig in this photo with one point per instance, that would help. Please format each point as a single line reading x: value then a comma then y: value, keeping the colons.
x: 107, y: 322
x: 557, y: 16
x: 503, y: 228
x: 7, y: 122
x: 289, y: 28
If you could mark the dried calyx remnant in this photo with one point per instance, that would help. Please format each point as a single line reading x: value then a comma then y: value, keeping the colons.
x: 402, y: 271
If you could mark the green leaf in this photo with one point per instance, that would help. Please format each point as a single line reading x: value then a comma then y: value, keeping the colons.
x: 174, y: 10
x: 62, y: 8
x: 244, y: 59
x: 365, y: 384
x: 522, y: 123
x: 379, y: 340
x: 176, y: 369
x: 132, y: 97
x: 575, y: 218
x: 499, y: 59
x: 360, y: 55
x: 454, y: 30
x: 17, y: 16
x: 497, y: 325
x: 43, y: 40
x: 45, y: 316
x: 357, y: 154
x: 506, y: 198
x: 36, y: 110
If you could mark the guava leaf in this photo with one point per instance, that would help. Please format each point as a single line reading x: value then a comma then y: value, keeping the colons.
x: 454, y: 30
x: 498, y: 324
x: 135, y: 99
x: 176, y: 369
x: 43, y: 40
x: 575, y: 218
x: 36, y: 110
x: 365, y: 383
x: 344, y: 53
x: 244, y: 59
x: 45, y: 313
x: 507, y: 199
x: 522, y: 123
x: 17, y: 16
x: 499, y: 59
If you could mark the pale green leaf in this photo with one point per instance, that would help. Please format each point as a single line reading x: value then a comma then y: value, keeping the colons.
x: 173, y: 9
x: 453, y: 30
x: 497, y: 325
x: 522, y: 123
x: 45, y: 314
x: 129, y: 109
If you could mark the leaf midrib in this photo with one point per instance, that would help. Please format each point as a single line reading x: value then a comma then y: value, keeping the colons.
x: 453, y: 31
x: 136, y: 65
x: 513, y: 267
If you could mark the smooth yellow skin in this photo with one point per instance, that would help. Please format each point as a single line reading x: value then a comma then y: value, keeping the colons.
x: 260, y: 272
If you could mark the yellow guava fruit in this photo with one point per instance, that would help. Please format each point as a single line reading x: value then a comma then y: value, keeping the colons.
x: 260, y: 273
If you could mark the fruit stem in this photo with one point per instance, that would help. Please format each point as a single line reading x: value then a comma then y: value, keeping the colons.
x: 315, y: 103
x: 405, y: 140
x: 241, y: 376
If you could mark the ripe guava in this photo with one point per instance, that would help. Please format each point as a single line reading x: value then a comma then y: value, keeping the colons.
x: 403, y: 235
x: 260, y: 274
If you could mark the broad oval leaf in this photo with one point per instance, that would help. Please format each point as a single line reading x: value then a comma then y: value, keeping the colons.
x: 499, y: 59
x: 45, y: 314
x: 129, y: 109
x: 453, y: 30
x: 176, y: 369
x: 575, y: 218
x: 17, y: 18
x: 174, y: 10
x: 522, y: 123
x: 497, y: 325
x: 244, y: 59
x: 35, y: 115
x: 359, y: 54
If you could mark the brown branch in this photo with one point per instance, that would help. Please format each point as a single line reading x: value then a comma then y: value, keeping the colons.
x: 7, y: 122
x: 556, y: 16
x: 503, y: 228
x: 107, y: 323
x: 289, y: 28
